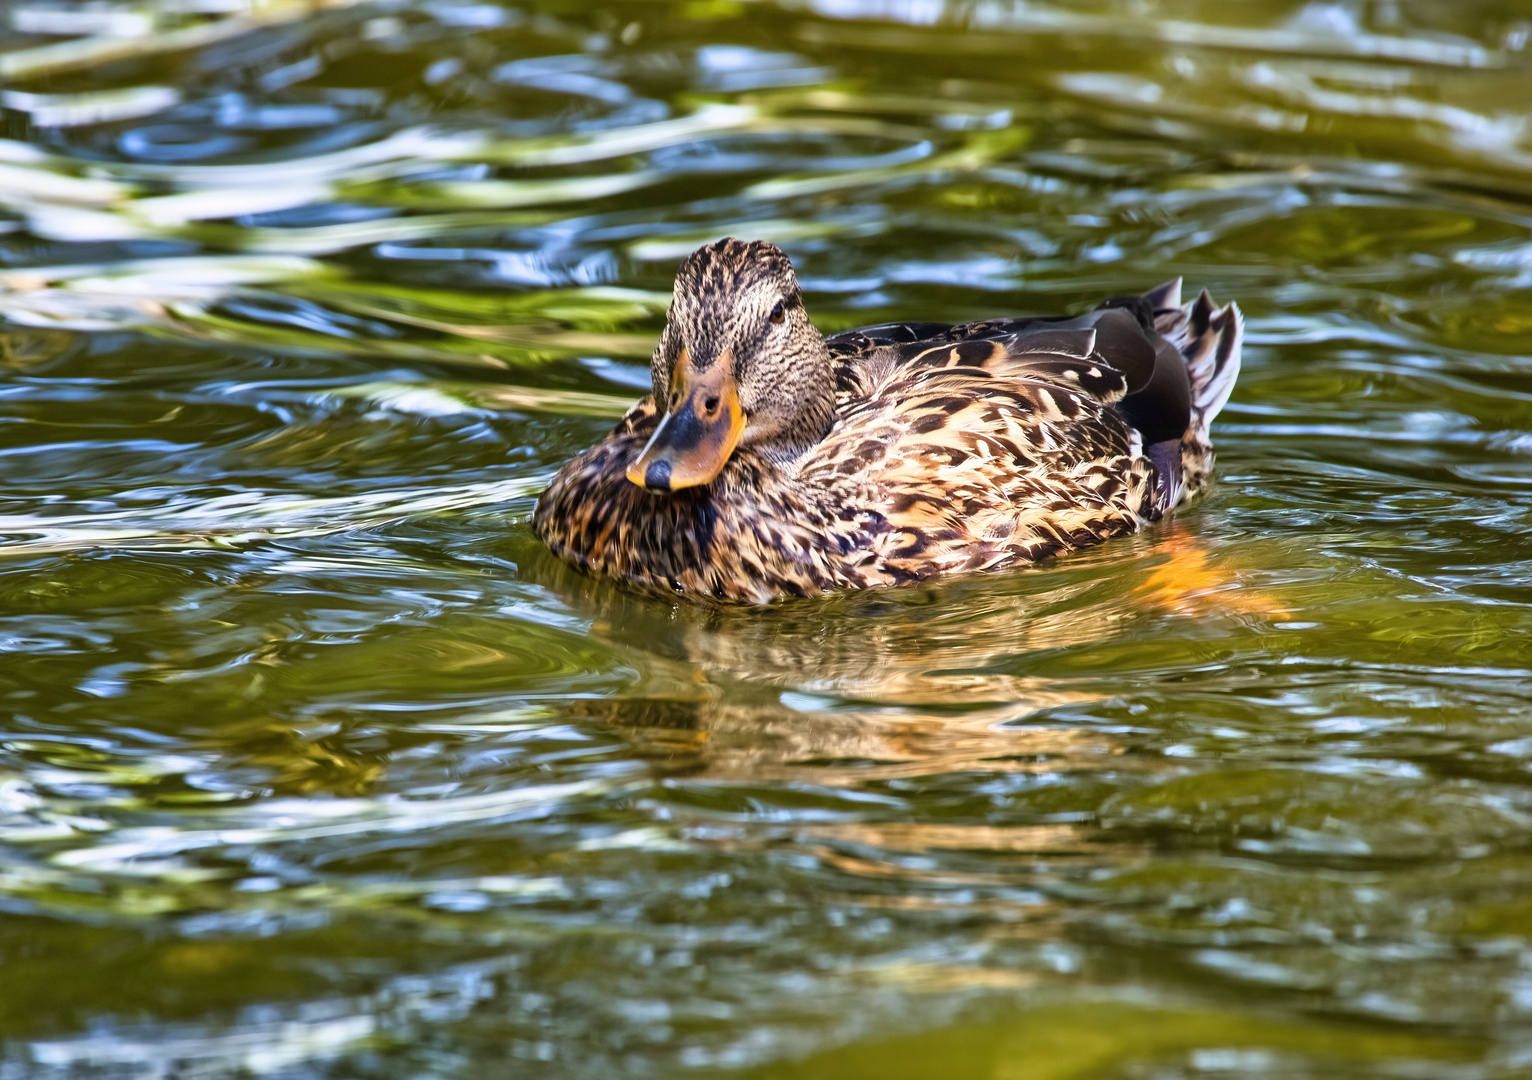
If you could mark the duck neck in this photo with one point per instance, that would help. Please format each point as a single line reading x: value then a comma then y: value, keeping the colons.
x: 810, y: 423
x: 813, y: 426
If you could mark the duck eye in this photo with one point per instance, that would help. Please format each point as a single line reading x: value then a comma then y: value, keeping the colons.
x: 778, y: 313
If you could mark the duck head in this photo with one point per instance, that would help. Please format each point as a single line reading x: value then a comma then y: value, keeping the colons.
x: 738, y: 365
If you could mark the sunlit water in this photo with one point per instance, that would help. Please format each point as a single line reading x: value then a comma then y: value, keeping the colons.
x: 314, y: 763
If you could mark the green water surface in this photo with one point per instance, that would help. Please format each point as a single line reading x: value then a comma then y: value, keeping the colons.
x: 313, y: 763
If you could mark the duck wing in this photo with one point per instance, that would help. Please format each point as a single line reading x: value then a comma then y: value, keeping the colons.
x: 1113, y: 353
x: 978, y: 445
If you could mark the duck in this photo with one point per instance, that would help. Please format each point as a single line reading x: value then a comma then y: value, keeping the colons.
x: 772, y: 462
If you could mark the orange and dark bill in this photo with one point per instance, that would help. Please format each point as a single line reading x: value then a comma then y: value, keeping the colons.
x: 696, y: 437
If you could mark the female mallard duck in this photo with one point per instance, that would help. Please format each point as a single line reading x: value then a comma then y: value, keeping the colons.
x: 786, y: 464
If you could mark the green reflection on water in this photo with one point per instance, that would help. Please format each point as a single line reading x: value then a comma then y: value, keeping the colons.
x: 315, y: 763
x: 1091, y: 1039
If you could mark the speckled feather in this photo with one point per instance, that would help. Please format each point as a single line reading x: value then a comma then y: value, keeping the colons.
x: 953, y: 449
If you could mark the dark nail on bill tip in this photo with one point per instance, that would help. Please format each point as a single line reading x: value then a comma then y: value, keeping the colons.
x: 657, y: 476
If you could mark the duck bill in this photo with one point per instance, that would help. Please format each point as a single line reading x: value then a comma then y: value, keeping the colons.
x: 696, y: 437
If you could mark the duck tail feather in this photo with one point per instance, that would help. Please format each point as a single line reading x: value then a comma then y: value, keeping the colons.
x: 1165, y: 296
x: 1210, y: 338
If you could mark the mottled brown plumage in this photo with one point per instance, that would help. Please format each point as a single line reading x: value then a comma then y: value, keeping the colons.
x: 889, y: 454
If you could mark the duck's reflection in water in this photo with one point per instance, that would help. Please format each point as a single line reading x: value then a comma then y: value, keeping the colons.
x: 856, y: 705
x: 851, y: 748
x: 851, y: 791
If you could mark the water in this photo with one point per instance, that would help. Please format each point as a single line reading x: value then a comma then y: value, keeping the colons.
x: 314, y: 764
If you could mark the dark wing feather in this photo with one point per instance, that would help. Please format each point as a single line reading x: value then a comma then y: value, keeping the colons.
x: 1113, y: 353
